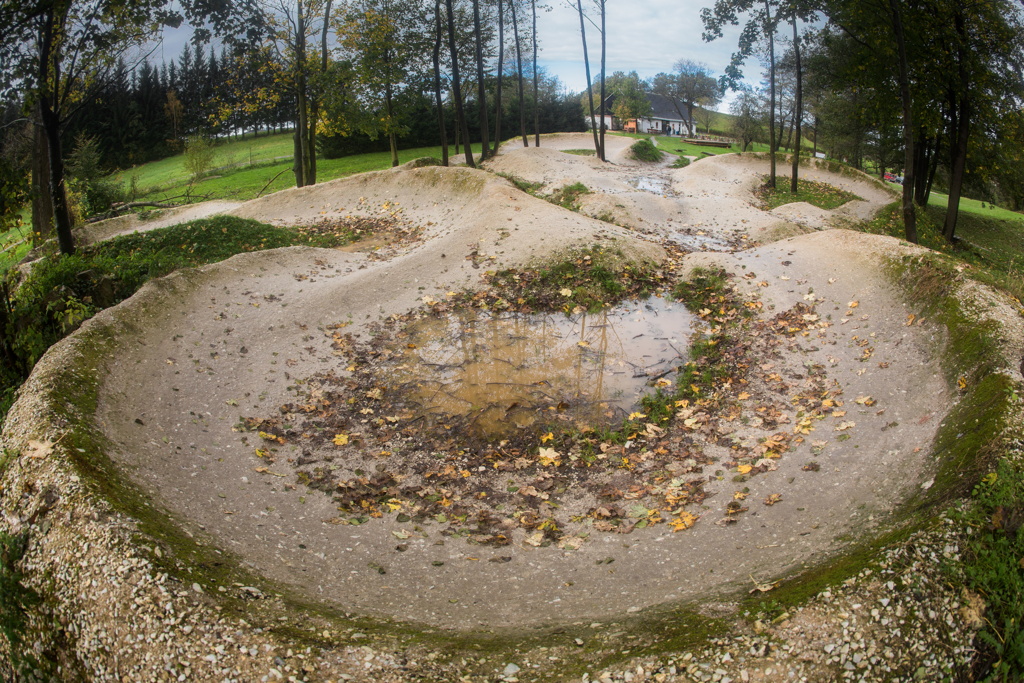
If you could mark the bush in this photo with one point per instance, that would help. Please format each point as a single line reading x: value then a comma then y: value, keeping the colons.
x: 90, y: 191
x: 198, y: 156
x: 644, y: 150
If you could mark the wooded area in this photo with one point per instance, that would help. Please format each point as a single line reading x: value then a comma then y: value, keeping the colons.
x: 929, y: 91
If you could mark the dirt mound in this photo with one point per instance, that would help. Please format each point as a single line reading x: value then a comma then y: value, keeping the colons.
x: 153, y: 220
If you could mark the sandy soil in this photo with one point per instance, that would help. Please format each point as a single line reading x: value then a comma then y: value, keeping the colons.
x: 238, y: 338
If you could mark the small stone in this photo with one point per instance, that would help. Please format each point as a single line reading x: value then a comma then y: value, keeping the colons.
x: 510, y: 670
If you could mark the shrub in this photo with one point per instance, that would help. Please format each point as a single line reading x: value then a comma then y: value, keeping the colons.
x: 198, y: 156
x: 644, y: 150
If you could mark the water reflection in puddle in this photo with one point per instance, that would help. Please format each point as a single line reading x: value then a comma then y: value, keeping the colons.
x: 701, y: 242
x: 507, y: 371
x: 653, y: 184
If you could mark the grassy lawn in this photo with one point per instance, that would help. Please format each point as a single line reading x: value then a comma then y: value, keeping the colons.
x: 990, y: 243
x: 822, y: 195
x: 167, y: 178
x: 16, y: 242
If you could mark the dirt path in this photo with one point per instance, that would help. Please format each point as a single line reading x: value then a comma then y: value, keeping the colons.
x: 244, y: 337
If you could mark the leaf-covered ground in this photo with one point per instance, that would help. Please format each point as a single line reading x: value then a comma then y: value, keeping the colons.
x: 730, y: 410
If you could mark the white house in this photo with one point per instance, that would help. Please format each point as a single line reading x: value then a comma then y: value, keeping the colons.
x: 667, y: 117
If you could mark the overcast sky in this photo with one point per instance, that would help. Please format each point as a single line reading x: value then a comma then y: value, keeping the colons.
x: 647, y: 37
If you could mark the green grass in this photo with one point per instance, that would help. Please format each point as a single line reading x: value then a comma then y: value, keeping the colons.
x: 252, y: 151
x: 581, y: 152
x: 644, y: 150
x: 167, y: 178
x: 990, y: 245
x: 822, y: 195
x: 16, y: 242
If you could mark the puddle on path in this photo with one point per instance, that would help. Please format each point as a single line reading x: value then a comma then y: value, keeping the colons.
x: 701, y: 242
x: 662, y: 186
x: 506, y: 371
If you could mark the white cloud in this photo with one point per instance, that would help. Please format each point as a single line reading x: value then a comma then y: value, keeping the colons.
x: 646, y: 37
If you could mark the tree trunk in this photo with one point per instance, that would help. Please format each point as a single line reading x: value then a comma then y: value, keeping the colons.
x: 922, y: 159
x: 485, y: 148
x: 501, y: 77
x: 590, y: 87
x: 798, y: 112
x: 301, y: 163
x: 958, y: 155
x: 389, y: 109
x: 931, y: 175
x: 437, y: 83
x: 42, y: 202
x: 604, y: 55
x: 49, y: 81
x: 959, y: 138
x: 909, y: 217
x: 814, y: 151
x: 519, y: 73
x: 460, y: 115
x: 536, y: 90
x: 769, y: 29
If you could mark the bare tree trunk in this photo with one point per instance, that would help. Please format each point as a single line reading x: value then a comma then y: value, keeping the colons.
x: 519, y: 73
x: 389, y: 108
x: 909, y: 217
x: 301, y: 163
x: 501, y: 77
x: 456, y: 86
x: 958, y: 144
x: 770, y: 30
x: 798, y: 113
x: 590, y: 88
x: 814, y: 151
x: 49, y: 80
x: 437, y: 83
x: 536, y: 89
x: 604, y: 55
x: 42, y: 202
x: 485, y: 149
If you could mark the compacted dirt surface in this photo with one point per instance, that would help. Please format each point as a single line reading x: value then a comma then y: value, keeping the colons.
x: 279, y: 410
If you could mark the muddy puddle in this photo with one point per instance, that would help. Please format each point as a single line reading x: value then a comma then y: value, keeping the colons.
x: 662, y: 186
x: 508, y: 371
x: 699, y: 241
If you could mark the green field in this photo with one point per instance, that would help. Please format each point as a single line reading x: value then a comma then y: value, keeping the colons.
x: 245, y: 169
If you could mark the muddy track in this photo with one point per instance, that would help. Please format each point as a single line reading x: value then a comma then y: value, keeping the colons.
x: 825, y: 431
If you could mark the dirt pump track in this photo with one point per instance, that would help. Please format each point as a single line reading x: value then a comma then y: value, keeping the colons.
x: 176, y: 366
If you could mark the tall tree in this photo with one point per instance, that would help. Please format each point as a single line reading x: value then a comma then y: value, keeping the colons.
x: 501, y: 76
x: 762, y: 24
x: 478, y: 42
x: 604, y: 72
x: 383, y: 41
x: 536, y: 100
x: 57, y: 52
x: 519, y: 72
x: 438, y: 38
x: 590, y: 91
x: 460, y: 114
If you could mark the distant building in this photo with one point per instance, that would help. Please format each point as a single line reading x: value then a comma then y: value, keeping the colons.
x: 667, y: 117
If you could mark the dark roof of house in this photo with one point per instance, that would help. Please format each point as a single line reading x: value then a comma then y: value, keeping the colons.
x: 662, y: 107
